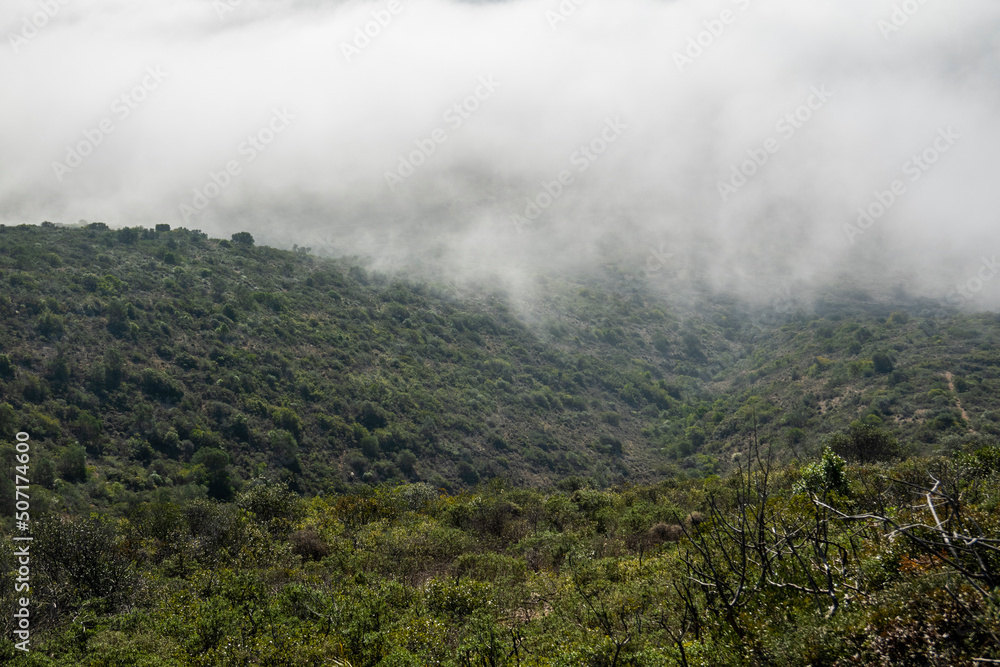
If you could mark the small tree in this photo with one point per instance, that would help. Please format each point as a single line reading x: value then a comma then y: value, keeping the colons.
x: 79, y: 560
x: 865, y: 443
x: 117, y: 318
x: 405, y: 461
x: 217, y: 477
x: 73, y: 464
x: 243, y: 238
x: 50, y: 326
x: 827, y: 474
x: 7, y: 368
x: 883, y: 363
x: 274, y: 505
x: 309, y: 545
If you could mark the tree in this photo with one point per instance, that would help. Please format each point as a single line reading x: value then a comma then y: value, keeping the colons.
x: 114, y: 369
x: 117, y: 318
x: 828, y: 474
x: 73, y: 464
x: 128, y: 235
x: 273, y: 505
x: 865, y: 443
x: 79, y: 560
x: 217, y: 477
x: 883, y: 363
x: 50, y: 326
x: 8, y: 420
x: 405, y: 461
x: 7, y: 368
x: 243, y: 238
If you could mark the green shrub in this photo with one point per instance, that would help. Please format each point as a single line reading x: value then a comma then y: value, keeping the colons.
x: 829, y: 474
x: 72, y: 465
x: 82, y: 560
x: 865, y: 443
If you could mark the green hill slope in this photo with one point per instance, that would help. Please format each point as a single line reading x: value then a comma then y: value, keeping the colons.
x: 174, y: 360
x: 159, y: 371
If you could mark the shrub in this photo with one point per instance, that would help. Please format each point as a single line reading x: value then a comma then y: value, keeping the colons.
x: 827, y: 474
x: 50, y: 326
x: 865, y: 443
x: 7, y: 368
x: 272, y: 504
x: 159, y: 385
x: 664, y: 532
x: 8, y: 421
x: 405, y: 461
x: 883, y: 363
x: 87, y: 428
x: 80, y: 560
x: 662, y: 344
x: 217, y: 477
x: 287, y: 419
x: 224, y: 530
x: 309, y: 545
x: 34, y: 389
x: 372, y: 416
x: 45, y: 473
x: 72, y: 465
x: 243, y: 238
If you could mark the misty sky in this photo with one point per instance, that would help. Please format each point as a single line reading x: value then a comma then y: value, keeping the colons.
x: 730, y: 140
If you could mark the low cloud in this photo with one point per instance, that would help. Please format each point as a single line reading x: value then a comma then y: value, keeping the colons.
x: 702, y: 87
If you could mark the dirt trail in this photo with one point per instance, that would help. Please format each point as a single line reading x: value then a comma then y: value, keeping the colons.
x: 951, y: 385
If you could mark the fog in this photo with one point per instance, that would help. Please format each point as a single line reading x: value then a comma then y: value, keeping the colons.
x: 731, y: 143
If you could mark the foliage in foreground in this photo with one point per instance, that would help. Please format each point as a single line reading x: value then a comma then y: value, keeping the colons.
x: 833, y: 564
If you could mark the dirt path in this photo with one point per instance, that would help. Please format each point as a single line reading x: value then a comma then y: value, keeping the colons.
x: 958, y: 401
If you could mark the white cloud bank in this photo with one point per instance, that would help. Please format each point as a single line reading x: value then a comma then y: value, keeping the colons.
x: 748, y: 133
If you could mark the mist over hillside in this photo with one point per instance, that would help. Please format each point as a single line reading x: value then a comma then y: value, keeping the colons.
x: 729, y: 144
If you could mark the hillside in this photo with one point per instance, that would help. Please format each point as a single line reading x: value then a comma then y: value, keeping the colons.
x: 243, y: 455
x: 149, y: 348
x: 153, y: 349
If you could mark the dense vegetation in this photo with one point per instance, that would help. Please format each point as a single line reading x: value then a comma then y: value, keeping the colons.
x: 759, y: 568
x: 253, y: 456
